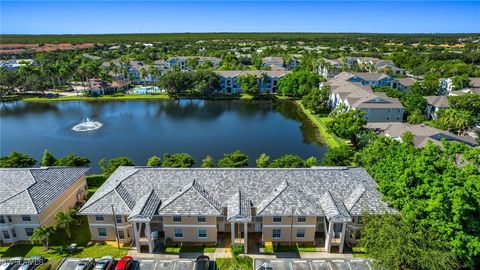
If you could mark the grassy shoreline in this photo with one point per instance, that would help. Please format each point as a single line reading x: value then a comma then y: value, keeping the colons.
x: 100, y: 98
x: 331, y: 140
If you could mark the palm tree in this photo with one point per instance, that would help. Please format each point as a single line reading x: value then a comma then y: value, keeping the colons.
x: 65, y: 219
x: 143, y: 74
x: 154, y: 72
x: 41, y: 235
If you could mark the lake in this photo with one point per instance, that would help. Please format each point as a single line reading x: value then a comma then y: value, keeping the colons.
x: 139, y: 129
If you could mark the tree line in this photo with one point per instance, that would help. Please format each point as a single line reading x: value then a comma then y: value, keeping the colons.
x: 236, y: 159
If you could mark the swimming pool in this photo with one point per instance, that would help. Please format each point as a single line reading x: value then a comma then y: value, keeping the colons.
x: 146, y: 90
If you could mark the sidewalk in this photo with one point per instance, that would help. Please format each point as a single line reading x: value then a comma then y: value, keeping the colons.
x: 220, y: 253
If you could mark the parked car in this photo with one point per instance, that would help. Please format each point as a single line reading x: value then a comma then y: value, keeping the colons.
x: 125, y: 263
x: 105, y: 263
x: 202, y: 263
x: 32, y: 262
x: 85, y: 264
x: 17, y: 262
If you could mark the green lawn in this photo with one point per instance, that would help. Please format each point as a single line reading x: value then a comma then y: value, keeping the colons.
x: 294, y: 248
x: 321, y: 122
x: 239, y: 263
x: 94, y: 182
x: 54, y: 252
x: 359, y: 252
x: 189, y: 248
x: 100, y: 98
x: 80, y: 235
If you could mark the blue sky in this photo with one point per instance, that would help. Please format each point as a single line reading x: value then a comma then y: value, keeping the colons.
x: 85, y: 17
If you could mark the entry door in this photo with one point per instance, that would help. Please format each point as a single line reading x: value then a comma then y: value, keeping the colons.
x: 258, y: 227
x: 221, y: 226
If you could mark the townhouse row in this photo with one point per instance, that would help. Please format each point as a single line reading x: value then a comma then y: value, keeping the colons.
x: 154, y: 206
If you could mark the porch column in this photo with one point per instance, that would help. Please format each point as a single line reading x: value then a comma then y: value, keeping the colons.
x: 328, y: 243
x: 149, y: 237
x: 245, y: 237
x: 232, y: 232
x: 137, y: 228
x: 342, y: 238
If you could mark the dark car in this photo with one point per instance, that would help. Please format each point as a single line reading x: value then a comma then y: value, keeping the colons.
x: 85, y: 264
x: 202, y: 263
x: 105, y: 263
x: 125, y: 263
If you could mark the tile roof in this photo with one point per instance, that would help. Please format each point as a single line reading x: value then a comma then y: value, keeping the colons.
x: 239, y: 208
x: 422, y: 133
x: 258, y: 73
x: 32, y: 190
x: 361, y: 96
x: 370, y: 76
x: 437, y: 101
x: 334, y: 210
x: 475, y: 82
x: 146, y: 207
x: 406, y: 81
x: 202, y: 191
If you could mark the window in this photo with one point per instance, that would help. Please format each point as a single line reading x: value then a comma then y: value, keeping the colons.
x: 276, y: 233
x: 6, y: 235
x: 9, y: 218
x: 277, y: 219
x: 14, y: 233
x: 2, y: 219
x: 301, y: 218
x: 29, y: 231
x: 202, y: 233
x: 178, y: 233
x: 102, y: 232
x: 300, y: 233
x: 26, y: 218
x: 118, y: 218
x: 177, y: 219
x: 99, y: 218
x: 128, y: 234
x: 121, y: 234
x: 202, y: 219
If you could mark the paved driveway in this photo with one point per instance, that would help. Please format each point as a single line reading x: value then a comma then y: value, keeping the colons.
x: 327, y: 264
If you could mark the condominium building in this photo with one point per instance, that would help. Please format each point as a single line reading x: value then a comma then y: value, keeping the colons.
x: 267, y: 80
x: 150, y: 206
x: 354, y: 91
x: 29, y: 198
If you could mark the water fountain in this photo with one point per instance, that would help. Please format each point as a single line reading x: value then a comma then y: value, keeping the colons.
x: 87, y: 126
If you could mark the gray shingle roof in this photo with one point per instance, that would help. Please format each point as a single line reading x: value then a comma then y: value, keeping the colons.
x: 239, y: 207
x: 146, y: 207
x: 334, y: 209
x: 192, y: 199
x: 206, y: 191
x: 32, y: 190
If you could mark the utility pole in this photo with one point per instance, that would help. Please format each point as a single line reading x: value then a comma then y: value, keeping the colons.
x: 115, y: 225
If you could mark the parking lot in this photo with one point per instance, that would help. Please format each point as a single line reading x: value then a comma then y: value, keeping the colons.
x: 298, y: 264
x: 181, y: 264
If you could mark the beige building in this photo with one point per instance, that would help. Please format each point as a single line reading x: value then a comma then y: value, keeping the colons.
x: 208, y: 206
x: 30, y: 198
